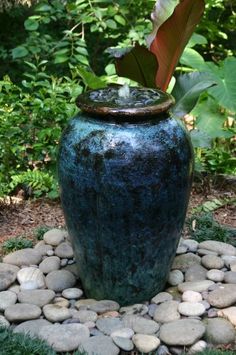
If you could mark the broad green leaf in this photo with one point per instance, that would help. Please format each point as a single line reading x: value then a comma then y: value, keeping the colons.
x: 43, y: 8
x: 90, y: 79
x: 119, y: 19
x: 62, y: 58
x: 163, y: 9
x: 200, y: 139
x: 31, y: 24
x: 187, y: 90
x: 196, y: 39
x: 19, y: 52
x: 225, y: 91
x: 172, y: 37
x: 139, y: 65
x: 111, y: 24
x: 193, y: 59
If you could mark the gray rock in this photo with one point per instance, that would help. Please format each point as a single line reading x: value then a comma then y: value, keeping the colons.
x: 29, y: 285
x: 145, y: 343
x: 64, y: 250
x: 219, y: 331
x: 123, y: 333
x: 61, y: 301
x: 184, y: 261
x: 85, y: 303
x: 54, y: 236
x: 191, y: 244
x: 99, y: 345
x: 212, y: 262
x: 175, y: 277
x: 151, y: 309
x: 7, y: 298
x: 184, y: 332
x: 63, y: 262
x: 64, y: 337
x: 59, y: 280
x: 203, y: 252
x: 123, y: 343
x: 72, y: 268
x: 215, y: 275
x: 162, y: 297
x: 31, y: 327
x: 55, y: 313
x: 181, y: 250
x: 195, y: 273
x: 87, y: 316
x: 163, y: 350
x: 109, y: 325
x: 228, y: 259
x: 72, y: 293
x: 31, y: 274
x: 37, y: 297
x: 50, y: 264
x: 191, y: 309
x: 6, y: 279
x: 230, y: 277
x: 104, y: 306
x: 219, y: 247
x: 140, y: 324
x: 9, y: 267
x: 22, y: 311
x: 198, y: 347
x: 212, y: 313
x: 4, y: 322
x: 137, y: 308
x: 223, y: 296
x: 43, y: 248
x: 24, y: 257
x: 50, y: 252
x: 198, y: 286
x: 167, y: 312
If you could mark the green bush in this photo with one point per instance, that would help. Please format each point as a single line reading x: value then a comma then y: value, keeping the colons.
x: 17, y: 243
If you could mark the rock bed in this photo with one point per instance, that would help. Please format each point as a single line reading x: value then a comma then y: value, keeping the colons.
x: 40, y: 294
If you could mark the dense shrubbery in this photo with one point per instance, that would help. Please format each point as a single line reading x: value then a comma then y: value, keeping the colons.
x: 47, y: 52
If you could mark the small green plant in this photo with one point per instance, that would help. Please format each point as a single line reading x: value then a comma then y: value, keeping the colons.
x: 16, y: 244
x: 203, y: 226
x: 39, y: 232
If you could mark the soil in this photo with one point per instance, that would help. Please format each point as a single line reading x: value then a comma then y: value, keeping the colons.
x: 19, y: 217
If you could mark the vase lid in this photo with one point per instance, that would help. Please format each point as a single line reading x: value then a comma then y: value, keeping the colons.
x: 125, y: 101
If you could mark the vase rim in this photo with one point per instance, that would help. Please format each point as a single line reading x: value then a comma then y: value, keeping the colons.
x: 95, y: 102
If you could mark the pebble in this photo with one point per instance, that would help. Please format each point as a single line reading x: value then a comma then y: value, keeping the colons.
x: 137, y: 308
x: 142, y: 325
x: 151, y: 309
x: 63, y: 262
x: 4, y: 322
x: 8, y: 267
x: 29, y: 285
x: 99, y: 345
x: 175, y: 277
x: 228, y: 259
x: 59, y: 280
x: 223, y: 296
x: 21, y: 312
x: 203, y: 252
x: 6, y: 279
x: 43, y: 248
x: 198, y: 286
x: 184, y: 332
x: 219, y: 331
x: 167, y: 312
x: 219, y: 247
x: 104, y: 306
x: 181, y: 250
x: 55, y: 313
x: 145, y: 343
x: 123, y: 333
x: 162, y: 297
x: 72, y: 268
x: 162, y: 350
x: 64, y: 337
x: 191, y: 296
x: 109, y: 325
x: 184, y: 261
x: 72, y: 293
x: 50, y: 252
x: 61, y: 301
x: 24, y: 257
x: 191, y: 309
x: 230, y: 277
x: 87, y: 316
x: 195, y: 273
x: 7, y: 298
x: 212, y: 313
x: 198, y: 347
x: 191, y: 244
x: 31, y: 274
x: 54, y: 237
x: 85, y: 303
x: 38, y: 297
x: 50, y: 264
x: 123, y: 343
x: 64, y: 251
x: 228, y: 313
x: 212, y: 262
x: 215, y: 275
x: 31, y: 327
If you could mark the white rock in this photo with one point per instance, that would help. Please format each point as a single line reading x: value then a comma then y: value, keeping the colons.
x: 31, y: 274
x: 191, y: 309
x: 29, y: 285
x: 54, y: 236
x: 191, y: 244
x: 175, y: 277
x: 215, y: 275
x: 191, y: 296
x: 219, y: 247
x: 162, y: 297
x: 123, y: 333
x: 145, y: 343
x: 72, y: 293
x: 198, y: 347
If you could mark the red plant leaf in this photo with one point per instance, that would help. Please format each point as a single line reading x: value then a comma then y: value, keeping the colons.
x: 172, y: 37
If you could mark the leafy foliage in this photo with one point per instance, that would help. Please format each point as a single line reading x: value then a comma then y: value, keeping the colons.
x: 16, y: 244
x: 40, y: 231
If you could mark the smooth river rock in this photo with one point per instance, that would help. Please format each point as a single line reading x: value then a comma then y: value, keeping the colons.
x: 219, y: 247
x: 25, y: 257
x: 64, y: 250
x: 104, y: 306
x: 184, y: 261
x: 31, y: 327
x: 219, y: 331
x: 191, y: 296
x: 72, y: 293
x: 99, y: 345
x: 109, y: 325
x: 54, y: 236
x: 191, y: 309
x: 7, y: 298
x: 31, y: 274
x: 38, y: 297
x: 59, y: 280
x: 175, y: 277
x: 167, y: 312
x: 162, y: 297
x: 145, y: 343
x: 21, y: 312
x: 228, y: 313
x: 198, y: 286
x: 215, y: 275
x: 195, y: 273
x: 212, y: 262
x: 49, y: 264
x: 55, y: 313
x: 223, y: 296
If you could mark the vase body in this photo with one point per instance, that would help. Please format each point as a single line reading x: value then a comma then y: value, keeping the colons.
x: 124, y: 190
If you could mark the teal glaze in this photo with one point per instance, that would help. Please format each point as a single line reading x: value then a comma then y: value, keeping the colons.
x: 124, y: 190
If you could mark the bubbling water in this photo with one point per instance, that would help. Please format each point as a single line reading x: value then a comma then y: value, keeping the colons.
x: 125, y: 96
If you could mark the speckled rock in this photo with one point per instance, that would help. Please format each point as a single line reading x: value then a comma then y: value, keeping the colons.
x: 167, y: 312
x: 162, y: 297
x: 31, y: 327
x: 215, y: 275
x: 195, y: 273
x: 99, y: 345
x: 212, y: 262
x: 184, y: 261
x: 25, y: 257
x: 22, y: 311
x: 87, y: 316
x: 55, y: 313
x: 64, y: 250
x: 198, y: 286
x: 50, y: 264
x: 64, y: 337
x: 31, y: 274
x: 7, y: 298
x: 191, y: 309
x: 72, y: 293
x: 109, y: 325
x: 175, y: 277
x: 219, y: 247
x: 191, y: 296
x: 223, y: 296
x: 104, y: 306
x: 37, y: 297
x: 182, y: 332
x: 54, y: 236
x: 59, y: 280
x: 145, y: 343
x: 219, y: 331
x: 230, y: 277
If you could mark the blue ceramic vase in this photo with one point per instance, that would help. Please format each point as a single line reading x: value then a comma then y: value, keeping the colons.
x: 125, y: 176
